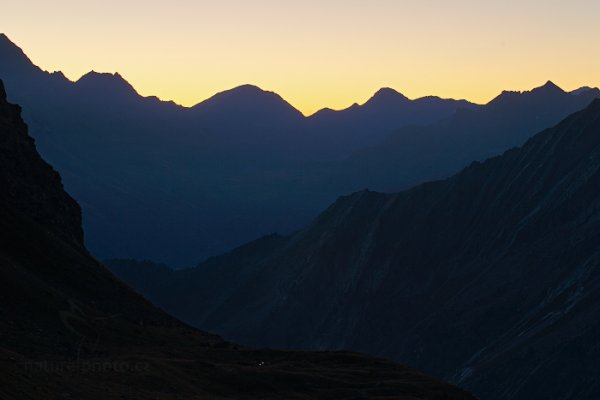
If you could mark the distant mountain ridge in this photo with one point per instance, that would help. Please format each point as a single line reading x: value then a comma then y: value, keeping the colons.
x: 112, y: 84
x: 416, y: 154
x: 159, y: 181
x: 386, y: 111
x: 137, y: 163
x: 247, y: 98
x: 490, y: 278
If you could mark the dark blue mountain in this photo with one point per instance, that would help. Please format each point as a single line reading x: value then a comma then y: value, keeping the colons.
x: 70, y: 329
x: 415, y: 154
x: 165, y: 182
x: 248, y: 101
x: 490, y: 278
x: 383, y: 113
x: 103, y: 86
x: 173, y: 184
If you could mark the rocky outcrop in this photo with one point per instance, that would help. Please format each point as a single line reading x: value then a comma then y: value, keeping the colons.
x: 28, y: 183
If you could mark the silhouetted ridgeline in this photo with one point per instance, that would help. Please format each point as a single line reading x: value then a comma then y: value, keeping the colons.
x: 167, y: 183
x: 413, y: 155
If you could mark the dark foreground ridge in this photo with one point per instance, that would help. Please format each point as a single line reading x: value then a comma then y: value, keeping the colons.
x: 70, y: 330
x: 29, y: 184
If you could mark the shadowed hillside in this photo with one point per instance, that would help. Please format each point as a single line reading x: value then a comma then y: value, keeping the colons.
x: 489, y: 278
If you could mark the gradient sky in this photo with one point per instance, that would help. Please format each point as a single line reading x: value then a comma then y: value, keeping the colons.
x: 315, y: 53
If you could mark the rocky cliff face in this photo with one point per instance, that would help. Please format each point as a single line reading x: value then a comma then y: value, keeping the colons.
x: 28, y: 183
x: 490, y: 278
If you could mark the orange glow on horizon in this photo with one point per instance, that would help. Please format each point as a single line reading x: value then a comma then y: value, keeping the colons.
x: 315, y: 54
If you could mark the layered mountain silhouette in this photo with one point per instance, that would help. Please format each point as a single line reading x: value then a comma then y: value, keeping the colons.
x: 248, y: 101
x: 173, y: 184
x: 490, y: 278
x: 70, y: 329
x: 415, y: 154
x: 385, y: 112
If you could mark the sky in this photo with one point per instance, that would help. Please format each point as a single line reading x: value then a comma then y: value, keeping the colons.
x: 315, y: 53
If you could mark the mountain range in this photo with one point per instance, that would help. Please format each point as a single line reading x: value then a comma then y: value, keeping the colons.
x: 71, y: 330
x: 165, y: 182
x: 172, y: 184
x: 490, y: 278
x: 414, y: 155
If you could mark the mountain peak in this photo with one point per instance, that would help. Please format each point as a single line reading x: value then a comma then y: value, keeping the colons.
x: 242, y: 90
x: 4, y: 40
x: 248, y: 92
x: 106, y: 82
x: 387, y: 95
x: 13, y: 61
x: 249, y: 98
x: 248, y: 88
x: 93, y: 75
x: 548, y: 87
x: 585, y: 90
x: 7, y: 45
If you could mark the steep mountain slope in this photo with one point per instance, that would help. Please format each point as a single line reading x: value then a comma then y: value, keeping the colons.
x: 69, y: 329
x: 490, y: 278
x: 29, y: 184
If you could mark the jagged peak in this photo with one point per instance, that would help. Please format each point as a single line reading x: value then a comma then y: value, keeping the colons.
x: 110, y: 81
x: 103, y: 75
x: 58, y: 74
x: 548, y: 87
